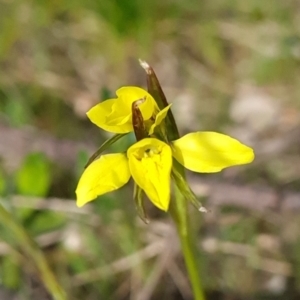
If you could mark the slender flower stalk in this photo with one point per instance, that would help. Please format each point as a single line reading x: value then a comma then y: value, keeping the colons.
x: 179, y: 214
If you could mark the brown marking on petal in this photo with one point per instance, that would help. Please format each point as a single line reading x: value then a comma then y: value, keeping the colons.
x: 137, y: 120
x: 137, y: 103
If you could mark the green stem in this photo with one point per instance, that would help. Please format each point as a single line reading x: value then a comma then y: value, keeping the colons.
x: 31, y: 249
x: 178, y: 207
x: 178, y: 210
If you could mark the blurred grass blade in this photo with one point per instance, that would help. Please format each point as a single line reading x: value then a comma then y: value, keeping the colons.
x: 104, y: 146
x: 32, y: 252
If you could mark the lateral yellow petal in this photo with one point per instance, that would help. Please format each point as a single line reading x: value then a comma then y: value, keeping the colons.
x: 103, y: 175
x: 159, y: 118
x: 111, y: 116
x: 150, y: 163
x: 208, y: 152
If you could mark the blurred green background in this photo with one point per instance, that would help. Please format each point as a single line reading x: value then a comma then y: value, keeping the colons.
x: 227, y: 66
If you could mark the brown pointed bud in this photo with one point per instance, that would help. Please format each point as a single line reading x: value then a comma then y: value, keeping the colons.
x: 153, y: 85
x: 155, y: 90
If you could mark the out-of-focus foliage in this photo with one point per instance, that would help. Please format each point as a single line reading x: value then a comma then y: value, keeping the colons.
x: 2, y: 182
x: 229, y: 66
x: 34, y: 175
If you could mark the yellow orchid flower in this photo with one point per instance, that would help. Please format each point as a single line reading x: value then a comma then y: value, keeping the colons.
x: 149, y: 162
x: 156, y: 157
x: 114, y: 115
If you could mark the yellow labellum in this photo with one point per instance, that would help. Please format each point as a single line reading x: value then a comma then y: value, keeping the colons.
x: 150, y: 163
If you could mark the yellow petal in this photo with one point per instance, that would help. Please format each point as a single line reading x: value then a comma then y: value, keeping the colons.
x: 159, y: 118
x: 129, y: 94
x: 111, y: 116
x: 150, y: 163
x: 115, y: 115
x: 103, y: 175
x: 208, y: 152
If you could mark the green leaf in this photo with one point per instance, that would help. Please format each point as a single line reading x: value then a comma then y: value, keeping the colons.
x: 34, y: 178
x: 45, y: 221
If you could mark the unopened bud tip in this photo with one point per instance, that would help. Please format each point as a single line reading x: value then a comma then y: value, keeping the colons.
x: 203, y: 209
x: 144, y: 64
